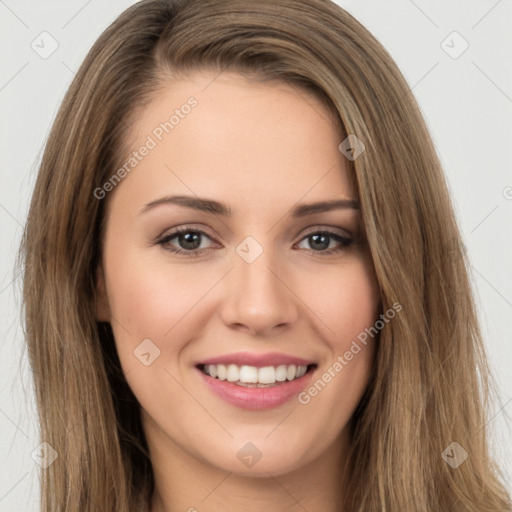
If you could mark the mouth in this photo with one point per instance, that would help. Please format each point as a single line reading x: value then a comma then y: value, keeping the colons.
x: 256, y: 382
x: 256, y: 377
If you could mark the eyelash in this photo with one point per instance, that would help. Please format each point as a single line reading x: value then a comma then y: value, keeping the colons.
x: 164, y: 242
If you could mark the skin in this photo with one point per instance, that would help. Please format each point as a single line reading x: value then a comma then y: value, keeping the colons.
x: 261, y: 149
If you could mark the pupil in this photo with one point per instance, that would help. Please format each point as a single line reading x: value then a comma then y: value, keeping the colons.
x: 189, y: 238
x: 316, y: 239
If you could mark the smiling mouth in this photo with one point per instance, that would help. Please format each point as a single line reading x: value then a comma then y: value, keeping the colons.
x: 256, y: 377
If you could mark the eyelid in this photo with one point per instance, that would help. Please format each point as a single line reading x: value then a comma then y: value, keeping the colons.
x: 182, y: 228
x: 330, y: 229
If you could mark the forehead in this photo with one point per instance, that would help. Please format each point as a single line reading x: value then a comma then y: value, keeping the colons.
x: 211, y: 134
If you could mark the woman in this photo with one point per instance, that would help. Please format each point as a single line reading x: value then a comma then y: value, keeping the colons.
x: 318, y: 349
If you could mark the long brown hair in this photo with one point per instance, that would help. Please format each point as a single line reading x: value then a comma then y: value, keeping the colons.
x: 430, y: 385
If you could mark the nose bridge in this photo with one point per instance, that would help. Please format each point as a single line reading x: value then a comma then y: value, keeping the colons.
x: 257, y: 296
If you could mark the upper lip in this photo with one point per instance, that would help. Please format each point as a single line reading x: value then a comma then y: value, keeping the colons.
x: 257, y: 360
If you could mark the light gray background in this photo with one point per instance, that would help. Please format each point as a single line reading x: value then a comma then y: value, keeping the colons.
x: 467, y: 103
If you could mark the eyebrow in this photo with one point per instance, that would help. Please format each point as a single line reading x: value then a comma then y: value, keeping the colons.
x: 212, y: 206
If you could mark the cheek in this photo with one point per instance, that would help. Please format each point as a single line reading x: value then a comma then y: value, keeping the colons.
x: 147, y: 298
x: 348, y: 308
x: 346, y: 301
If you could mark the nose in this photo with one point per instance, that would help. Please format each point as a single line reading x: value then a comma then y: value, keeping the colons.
x: 258, y: 299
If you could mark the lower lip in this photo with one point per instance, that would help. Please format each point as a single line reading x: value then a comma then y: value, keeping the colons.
x: 253, y: 398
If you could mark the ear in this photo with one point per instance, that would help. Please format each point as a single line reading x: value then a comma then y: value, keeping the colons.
x: 102, y: 304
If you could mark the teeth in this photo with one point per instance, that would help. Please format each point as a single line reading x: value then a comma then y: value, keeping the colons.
x: 221, y: 371
x: 281, y: 373
x: 301, y: 370
x: 248, y: 374
x: 233, y: 373
x: 267, y: 375
x: 252, y: 375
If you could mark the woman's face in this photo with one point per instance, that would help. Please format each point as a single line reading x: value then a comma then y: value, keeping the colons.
x: 264, y: 286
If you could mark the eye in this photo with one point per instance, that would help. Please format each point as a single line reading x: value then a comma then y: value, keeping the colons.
x: 189, y: 239
x: 321, y: 240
